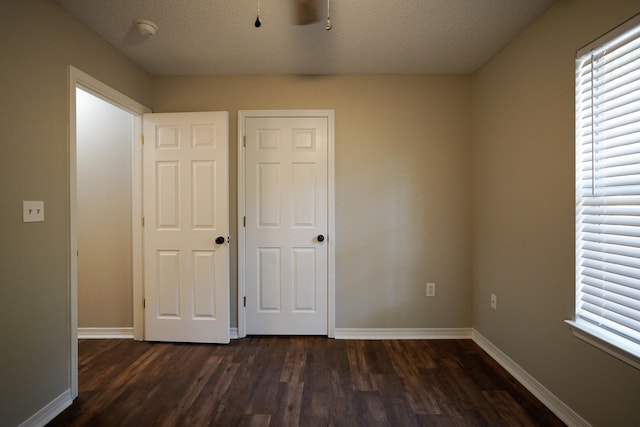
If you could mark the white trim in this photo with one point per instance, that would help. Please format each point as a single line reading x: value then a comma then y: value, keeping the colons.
x: 611, y: 343
x: 105, y: 333
x: 551, y: 401
x: 80, y: 79
x: 137, y: 263
x: 105, y: 92
x: 240, y: 196
x: 402, y: 333
x: 331, y: 229
x: 123, y: 333
x: 49, y: 411
x: 73, y: 234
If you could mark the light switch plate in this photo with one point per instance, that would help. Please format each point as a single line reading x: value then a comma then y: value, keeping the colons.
x: 32, y: 211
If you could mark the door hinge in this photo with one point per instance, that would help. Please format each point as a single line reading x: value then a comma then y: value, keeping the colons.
x: 144, y: 303
x: 244, y: 301
x: 244, y: 140
x: 244, y: 221
x: 142, y: 139
x: 143, y: 221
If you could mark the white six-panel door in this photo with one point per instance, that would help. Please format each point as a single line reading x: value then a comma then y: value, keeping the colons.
x: 186, y: 205
x: 286, y: 180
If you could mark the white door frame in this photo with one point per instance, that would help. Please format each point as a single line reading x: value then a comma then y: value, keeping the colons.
x: 79, y: 79
x: 331, y: 241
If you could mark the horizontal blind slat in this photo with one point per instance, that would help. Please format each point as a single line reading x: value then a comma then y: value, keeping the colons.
x: 621, y: 289
x: 612, y: 220
x: 620, y: 260
x: 609, y: 295
x: 612, y: 127
x: 608, y: 268
x: 610, y: 321
x: 616, y: 279
x: 631, y: 241
x: 611, y: 318
x: 615, y: 205
x: 627, y: 315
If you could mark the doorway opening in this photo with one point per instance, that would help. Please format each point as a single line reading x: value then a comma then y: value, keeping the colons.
x: 104, y: 141
x: 86, y: 83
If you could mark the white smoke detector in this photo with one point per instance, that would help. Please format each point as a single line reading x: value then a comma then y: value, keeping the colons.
x: 146, y: 28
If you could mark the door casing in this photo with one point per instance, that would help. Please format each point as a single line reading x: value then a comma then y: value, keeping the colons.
x: 80, y: 79
x: 331, y: 241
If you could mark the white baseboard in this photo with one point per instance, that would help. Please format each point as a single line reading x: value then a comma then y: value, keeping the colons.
x: 104, y: 333
x: 50, y: 411
x: 402, y: 333
x: 555, y: 405
x: 123, y: 333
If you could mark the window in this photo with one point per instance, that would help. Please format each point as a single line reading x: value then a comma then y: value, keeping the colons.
x: 608, y: 193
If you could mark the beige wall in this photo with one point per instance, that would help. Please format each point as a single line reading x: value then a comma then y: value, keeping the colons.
x: 414, y: 155
x: 38, y: 41
x: 523, y: 251
x: 104, y: 143
x: 402, y: 185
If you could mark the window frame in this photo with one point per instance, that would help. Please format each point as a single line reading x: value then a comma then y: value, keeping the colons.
x: 615, y: 344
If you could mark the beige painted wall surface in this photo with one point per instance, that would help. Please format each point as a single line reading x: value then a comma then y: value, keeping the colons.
x: 402, y: 185
x: 105, y: 277
x: 38, y: 41
x: 523, y: 148
x: 406, y: 182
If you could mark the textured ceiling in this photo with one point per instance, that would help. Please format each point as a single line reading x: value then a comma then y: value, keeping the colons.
x: 368, y: 36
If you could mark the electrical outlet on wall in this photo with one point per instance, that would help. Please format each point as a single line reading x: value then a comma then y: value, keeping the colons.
x: 431, y: 289
x: 494, y: 301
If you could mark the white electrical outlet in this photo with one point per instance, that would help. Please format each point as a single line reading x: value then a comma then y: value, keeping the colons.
x: 494, y: 301
x: 431, y: 289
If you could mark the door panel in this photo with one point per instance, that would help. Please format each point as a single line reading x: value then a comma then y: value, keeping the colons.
x: 203, y: 186
x: 269, y: 280
x: 204, y: 266
x: 186, y: 207
x: 168, y: 195
x: 268, y: 195
x: 304, y: 287
x: 286, y: 209
x: 168, y: 282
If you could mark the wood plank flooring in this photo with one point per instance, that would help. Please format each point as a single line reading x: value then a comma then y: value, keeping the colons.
x: 297, y: 381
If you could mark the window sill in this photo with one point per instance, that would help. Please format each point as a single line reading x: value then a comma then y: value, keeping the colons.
x: 612, y: 344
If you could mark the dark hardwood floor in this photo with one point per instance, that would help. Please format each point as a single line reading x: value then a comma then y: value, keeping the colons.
x: 297, y: 381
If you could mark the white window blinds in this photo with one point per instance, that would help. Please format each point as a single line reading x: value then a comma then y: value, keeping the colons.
x: 608, y: 184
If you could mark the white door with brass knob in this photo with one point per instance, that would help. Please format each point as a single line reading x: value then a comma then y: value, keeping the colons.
x: 186, y: 205
x: 286, y: 232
